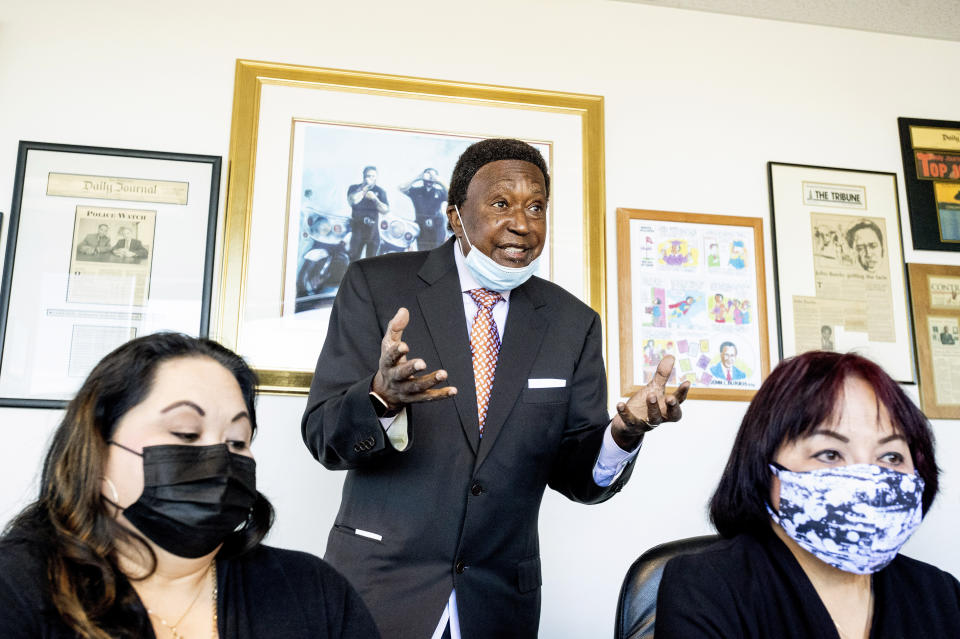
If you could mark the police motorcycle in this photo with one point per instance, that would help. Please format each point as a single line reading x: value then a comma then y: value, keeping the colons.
x: 397, y: 234
x: 327, y: 237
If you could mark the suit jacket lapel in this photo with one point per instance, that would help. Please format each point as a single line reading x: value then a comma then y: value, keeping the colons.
x: 521, y: 343
x: 442, y: 307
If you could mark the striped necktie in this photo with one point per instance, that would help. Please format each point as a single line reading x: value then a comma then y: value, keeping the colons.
x: 484, y: 347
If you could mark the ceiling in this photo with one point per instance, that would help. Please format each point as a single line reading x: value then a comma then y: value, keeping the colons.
x: 939, y: 19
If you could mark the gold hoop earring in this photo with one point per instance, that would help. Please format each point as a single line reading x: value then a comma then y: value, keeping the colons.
x: 113, y: 489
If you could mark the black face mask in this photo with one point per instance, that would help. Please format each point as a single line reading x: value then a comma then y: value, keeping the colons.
x: 193, y: 496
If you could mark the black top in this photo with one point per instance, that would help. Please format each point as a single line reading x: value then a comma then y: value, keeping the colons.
x: 366, y: 207
x: 753, y: 587
x: 427, y: 200
x: 268, y: 592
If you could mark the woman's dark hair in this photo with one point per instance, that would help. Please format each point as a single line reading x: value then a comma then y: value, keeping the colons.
x: 802, y: 393
x: 491, y: 150
x: 73, y: 523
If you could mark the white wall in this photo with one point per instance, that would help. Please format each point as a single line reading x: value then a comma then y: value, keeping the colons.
x: 696, y: 104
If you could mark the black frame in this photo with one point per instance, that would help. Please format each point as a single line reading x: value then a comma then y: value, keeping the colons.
x: 902, y: 266
x: 920, y: 196
x: 12, y: 231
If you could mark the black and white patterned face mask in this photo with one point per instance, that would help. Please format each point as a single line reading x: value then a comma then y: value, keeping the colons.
x: 855, y: 518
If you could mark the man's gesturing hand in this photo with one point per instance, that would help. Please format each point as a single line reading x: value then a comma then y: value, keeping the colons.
x: 648, y: 407
x: 395, y: 382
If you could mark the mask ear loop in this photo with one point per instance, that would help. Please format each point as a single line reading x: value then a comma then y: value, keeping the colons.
x: 775, y: 469
x: 462, y: 228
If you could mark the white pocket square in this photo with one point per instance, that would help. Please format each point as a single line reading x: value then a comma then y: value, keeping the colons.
x: 546, y: 382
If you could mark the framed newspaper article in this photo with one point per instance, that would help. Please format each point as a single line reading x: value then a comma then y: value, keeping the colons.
x: 692, y: 286
x: 931, y: 173
x: 935, y: 299
x: 328, y: 166
x: 838, y: 264
x: 104, y: 245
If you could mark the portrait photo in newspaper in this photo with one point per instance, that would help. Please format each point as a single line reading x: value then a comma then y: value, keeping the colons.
x: 111, y: 257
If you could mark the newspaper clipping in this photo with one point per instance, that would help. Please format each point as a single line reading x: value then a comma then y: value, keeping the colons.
x: 852, y: 276
x: 944, y: 292
x: 945, y: 353
x: 111, y: 255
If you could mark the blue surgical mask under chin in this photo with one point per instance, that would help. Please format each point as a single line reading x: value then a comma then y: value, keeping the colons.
x: 491, y: 275
x: 855, y: 518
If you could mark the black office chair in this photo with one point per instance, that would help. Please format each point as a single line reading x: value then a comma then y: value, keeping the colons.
x: 637, y: 605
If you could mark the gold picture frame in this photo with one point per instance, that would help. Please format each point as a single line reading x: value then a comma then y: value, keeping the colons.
x: 270, y: 97
x: 692, y: 285
x: 935, y: 302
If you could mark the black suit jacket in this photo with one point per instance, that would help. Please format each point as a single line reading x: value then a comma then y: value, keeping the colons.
x: 454, y: 510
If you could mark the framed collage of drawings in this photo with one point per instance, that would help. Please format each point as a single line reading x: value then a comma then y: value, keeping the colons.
x: 838, y: 264
x: 935, y: 299
x: 692, y: 286
x: 329, y: 166
x: 104, y: 245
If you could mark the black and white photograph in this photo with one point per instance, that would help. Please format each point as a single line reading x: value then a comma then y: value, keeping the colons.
x: 361, y: 191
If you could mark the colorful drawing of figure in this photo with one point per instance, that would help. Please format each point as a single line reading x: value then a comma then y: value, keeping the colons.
x: 649, y: 353
x: 725, y: 370
x: 745, y: 312
x: 657, y: 313
x: 737, y: 313
x: 719, y: 309
x: 647, y: 248
x: 681, y: 308
x: 737, y: 254
x: 713, y: 255
x: 654, y: 313
x: 674, y: 255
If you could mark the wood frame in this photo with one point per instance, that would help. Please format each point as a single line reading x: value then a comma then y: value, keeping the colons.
x: 719, y: 276
x: 923, y: 310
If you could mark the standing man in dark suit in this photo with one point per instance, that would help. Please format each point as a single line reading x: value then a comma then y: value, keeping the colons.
x: 437, y: 527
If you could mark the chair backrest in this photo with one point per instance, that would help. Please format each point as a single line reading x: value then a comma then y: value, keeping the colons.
x: 637, y: 606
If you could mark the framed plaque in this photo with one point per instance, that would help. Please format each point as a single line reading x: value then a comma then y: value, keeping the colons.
x: 838, y: 264
x: 305, y: 140
x: 692, y: 286
x: 935, y: 299
x: 104, y: 245
x: 931, y: 172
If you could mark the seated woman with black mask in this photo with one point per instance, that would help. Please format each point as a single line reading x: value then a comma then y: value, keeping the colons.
x: 149, y: 522
x: 830, y: 474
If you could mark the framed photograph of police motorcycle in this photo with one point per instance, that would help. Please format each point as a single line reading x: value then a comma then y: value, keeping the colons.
x: 931, y: 173
x: 935, y: 300
x: 692, y: 286
x: 103, y: 245
x: 328, y: 166
x: 838, y: 264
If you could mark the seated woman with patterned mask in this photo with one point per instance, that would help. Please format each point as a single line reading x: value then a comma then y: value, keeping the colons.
x: 830, y: 474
